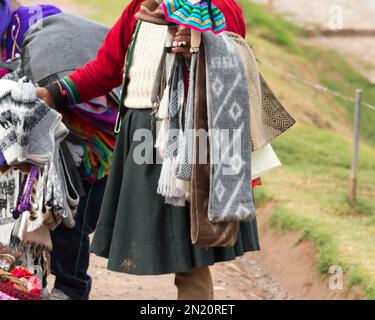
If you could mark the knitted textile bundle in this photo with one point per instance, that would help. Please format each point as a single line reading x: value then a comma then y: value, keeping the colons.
x: 28, y: 127
x: 30, y: 137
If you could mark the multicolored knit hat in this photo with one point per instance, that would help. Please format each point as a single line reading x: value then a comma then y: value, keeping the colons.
x: 5, y: 15
x: 200, y: 15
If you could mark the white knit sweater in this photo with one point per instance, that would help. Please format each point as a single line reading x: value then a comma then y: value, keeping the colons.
x: 148, y: 51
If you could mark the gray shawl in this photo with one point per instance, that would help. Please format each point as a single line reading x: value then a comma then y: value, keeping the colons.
x: 75, y: 41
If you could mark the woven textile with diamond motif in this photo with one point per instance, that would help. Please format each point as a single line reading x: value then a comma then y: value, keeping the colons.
x: 231, y: 198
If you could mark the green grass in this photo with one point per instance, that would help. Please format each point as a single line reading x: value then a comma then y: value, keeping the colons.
x: 311, y: 189
x: 107, y: 12
x: 339, y: 75
x: 273, y: 28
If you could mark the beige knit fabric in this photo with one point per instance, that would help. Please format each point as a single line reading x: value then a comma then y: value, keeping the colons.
x: 255, y: 91
x: 147, y: 54
x: 269, y: 118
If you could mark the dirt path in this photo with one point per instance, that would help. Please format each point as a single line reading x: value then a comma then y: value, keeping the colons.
x: 242, y: 279
x: 280, y: 271
x: 230, y: 281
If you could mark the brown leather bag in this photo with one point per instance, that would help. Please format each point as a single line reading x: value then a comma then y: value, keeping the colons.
x: 203, y: 232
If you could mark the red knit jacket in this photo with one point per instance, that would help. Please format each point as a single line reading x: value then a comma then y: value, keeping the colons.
x: 101, y: 75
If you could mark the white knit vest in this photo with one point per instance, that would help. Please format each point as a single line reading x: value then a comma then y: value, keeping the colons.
x: 148, y: 51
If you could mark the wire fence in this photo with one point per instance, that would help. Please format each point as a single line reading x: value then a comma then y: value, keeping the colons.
x: 316, y: 86
x: 357, y: 102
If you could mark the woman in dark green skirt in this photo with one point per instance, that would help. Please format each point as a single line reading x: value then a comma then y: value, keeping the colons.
x: 137, y: 231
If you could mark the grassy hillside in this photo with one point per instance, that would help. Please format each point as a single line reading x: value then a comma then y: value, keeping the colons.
x: 312, y: 186
x: 105, y: 11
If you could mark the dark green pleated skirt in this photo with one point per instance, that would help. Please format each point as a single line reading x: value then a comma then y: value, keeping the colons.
x: 137, y: 231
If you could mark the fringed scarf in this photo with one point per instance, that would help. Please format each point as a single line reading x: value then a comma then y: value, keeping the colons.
x: 176, y: 133
x: 184, y: 170
x: 168, y: 184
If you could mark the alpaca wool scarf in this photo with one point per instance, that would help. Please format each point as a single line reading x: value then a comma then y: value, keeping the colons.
x: 168, y: 184
x: 162, y: 124
x: 184, y: 171
x: 231, y: 197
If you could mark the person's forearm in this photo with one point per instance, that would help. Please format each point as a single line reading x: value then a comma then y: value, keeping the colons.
x: 61, y: 93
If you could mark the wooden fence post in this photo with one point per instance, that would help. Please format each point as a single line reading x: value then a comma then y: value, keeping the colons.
x: 270, y: 5
x: 356, y: 136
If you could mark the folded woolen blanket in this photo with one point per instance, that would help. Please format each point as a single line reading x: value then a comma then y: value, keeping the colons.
x: 76, y: 41
x: 231, y: 197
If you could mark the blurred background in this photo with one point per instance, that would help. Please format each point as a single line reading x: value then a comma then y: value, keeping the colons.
x: 316, y: 244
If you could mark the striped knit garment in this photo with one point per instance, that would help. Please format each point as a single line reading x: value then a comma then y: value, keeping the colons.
x: 194, y: 15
